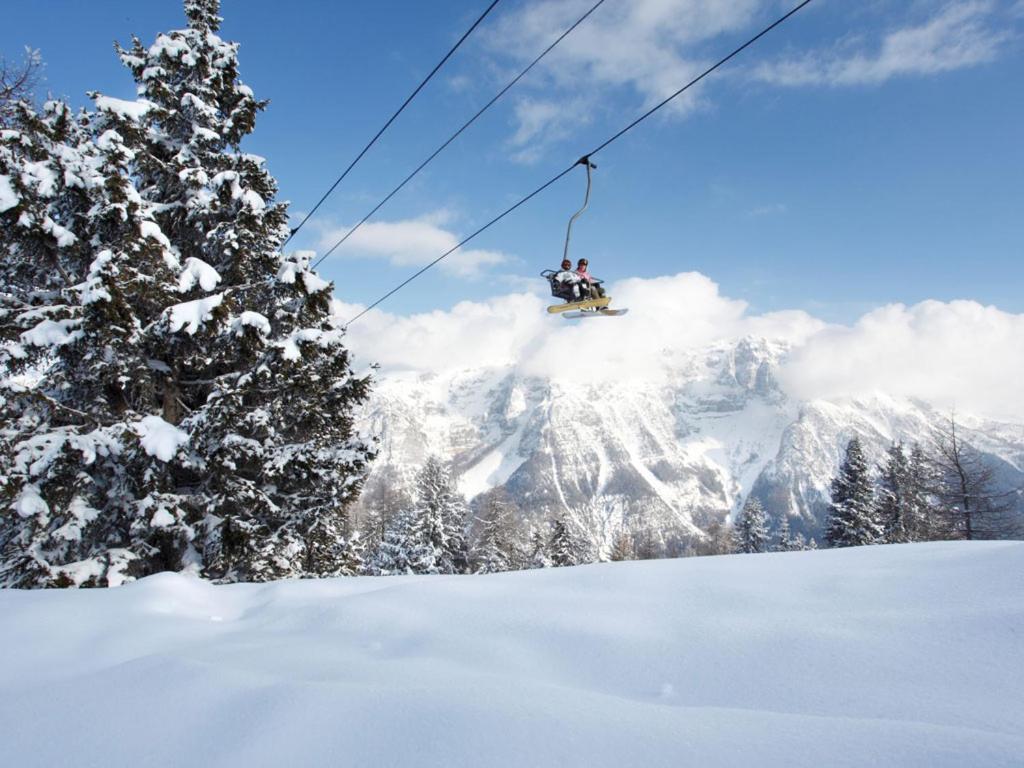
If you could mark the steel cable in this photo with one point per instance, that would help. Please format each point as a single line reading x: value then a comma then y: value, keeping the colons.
x: 458, y: 133
x: 586, y: 157
x: 391, y: 119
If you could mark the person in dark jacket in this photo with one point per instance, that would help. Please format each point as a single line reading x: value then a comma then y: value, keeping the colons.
x: 567, y: 283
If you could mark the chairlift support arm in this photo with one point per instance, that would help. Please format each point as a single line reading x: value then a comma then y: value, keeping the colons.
x: 584, y: 161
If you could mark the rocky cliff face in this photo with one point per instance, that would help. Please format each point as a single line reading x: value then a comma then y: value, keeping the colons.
x: 669, y: 459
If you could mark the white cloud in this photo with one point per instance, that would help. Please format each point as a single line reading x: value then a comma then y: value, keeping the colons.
x: 650, y: 47
x: 471, y: 334
x: 668, y: 315
x: 961, y: 34
x: 645, y: 44
x: 769, y: 209
x: 959, y: 353
x: 460, y: 83
x: 540, y: 122
x: 413, y: 243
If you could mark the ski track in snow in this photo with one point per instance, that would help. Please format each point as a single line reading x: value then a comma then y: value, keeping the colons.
x: 906, y: 655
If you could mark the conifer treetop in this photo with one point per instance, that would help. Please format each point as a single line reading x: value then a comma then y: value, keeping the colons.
x: 751, y: 532
x: 852, y: 518
x: 189, y: 79
x: 203, y: 15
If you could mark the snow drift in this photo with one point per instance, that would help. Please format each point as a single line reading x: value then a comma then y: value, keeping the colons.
x: 897, y: 655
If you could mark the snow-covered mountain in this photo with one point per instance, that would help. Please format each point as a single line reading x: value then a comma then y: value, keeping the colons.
x: 669, y: 456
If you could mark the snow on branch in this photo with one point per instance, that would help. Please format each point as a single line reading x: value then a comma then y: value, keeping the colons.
x: 132, y: 110
x: 251, y: 320
x: 192, y: 314
x: 197, y: 271
x: 159, y: 438
x: 51, y: 333
x: 8, y: 198
x: 296, y: 265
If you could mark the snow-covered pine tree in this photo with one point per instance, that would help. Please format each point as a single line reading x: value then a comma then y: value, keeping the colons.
x: 207, y: 372
x: 67, y: 475
x: 46, y: 174
x: 851, y: 520
x: 892, y: 507
x: 397, y: 551
x: 498, y: 534
x: 493, y: 550
x: 257, y: 375
x: 787, y: 541
x: 539, y: 555
x: 784, y: 539
x: 353, y: 556
x: 750, y: 534
x: 334, y: 548
x: 565, y: 547
x: 924, y: 491
x: 438, y: 530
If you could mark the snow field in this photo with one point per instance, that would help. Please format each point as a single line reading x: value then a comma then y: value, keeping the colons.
x: 897, y: 655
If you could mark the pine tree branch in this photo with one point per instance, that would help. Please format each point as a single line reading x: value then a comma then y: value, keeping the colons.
x: 33, y: 393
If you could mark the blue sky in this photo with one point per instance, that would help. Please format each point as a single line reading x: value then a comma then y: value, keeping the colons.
x: 862, y: 154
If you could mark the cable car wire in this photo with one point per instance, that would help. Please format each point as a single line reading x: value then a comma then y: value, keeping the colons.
x: 391, y: 119
x: 458, y: 133
x: 585, y: 158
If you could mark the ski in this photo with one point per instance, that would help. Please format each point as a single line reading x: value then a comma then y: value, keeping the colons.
x: 588, y: 304
x: 594, y: 313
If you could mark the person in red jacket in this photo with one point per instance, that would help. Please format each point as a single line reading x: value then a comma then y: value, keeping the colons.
x: 592, y: 285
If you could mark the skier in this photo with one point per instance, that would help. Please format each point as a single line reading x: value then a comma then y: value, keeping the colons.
x: 592, y: 286
x: 566, y: 283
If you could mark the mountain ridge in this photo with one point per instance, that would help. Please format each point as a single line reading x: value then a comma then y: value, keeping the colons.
x: 674, y: 454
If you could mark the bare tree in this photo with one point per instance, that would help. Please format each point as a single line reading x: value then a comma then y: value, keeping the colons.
x: 17, y: 82
x: 622, y: 548
x: 383, y: 498
x: 718, y: 541
x: 966, y: 488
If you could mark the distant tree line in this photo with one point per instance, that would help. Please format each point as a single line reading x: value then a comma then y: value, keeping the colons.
x: 750, y: 534
x: 432, y: 529
x: 946, y: 491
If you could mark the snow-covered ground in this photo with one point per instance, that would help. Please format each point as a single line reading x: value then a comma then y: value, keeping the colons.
x: 897, y: 655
